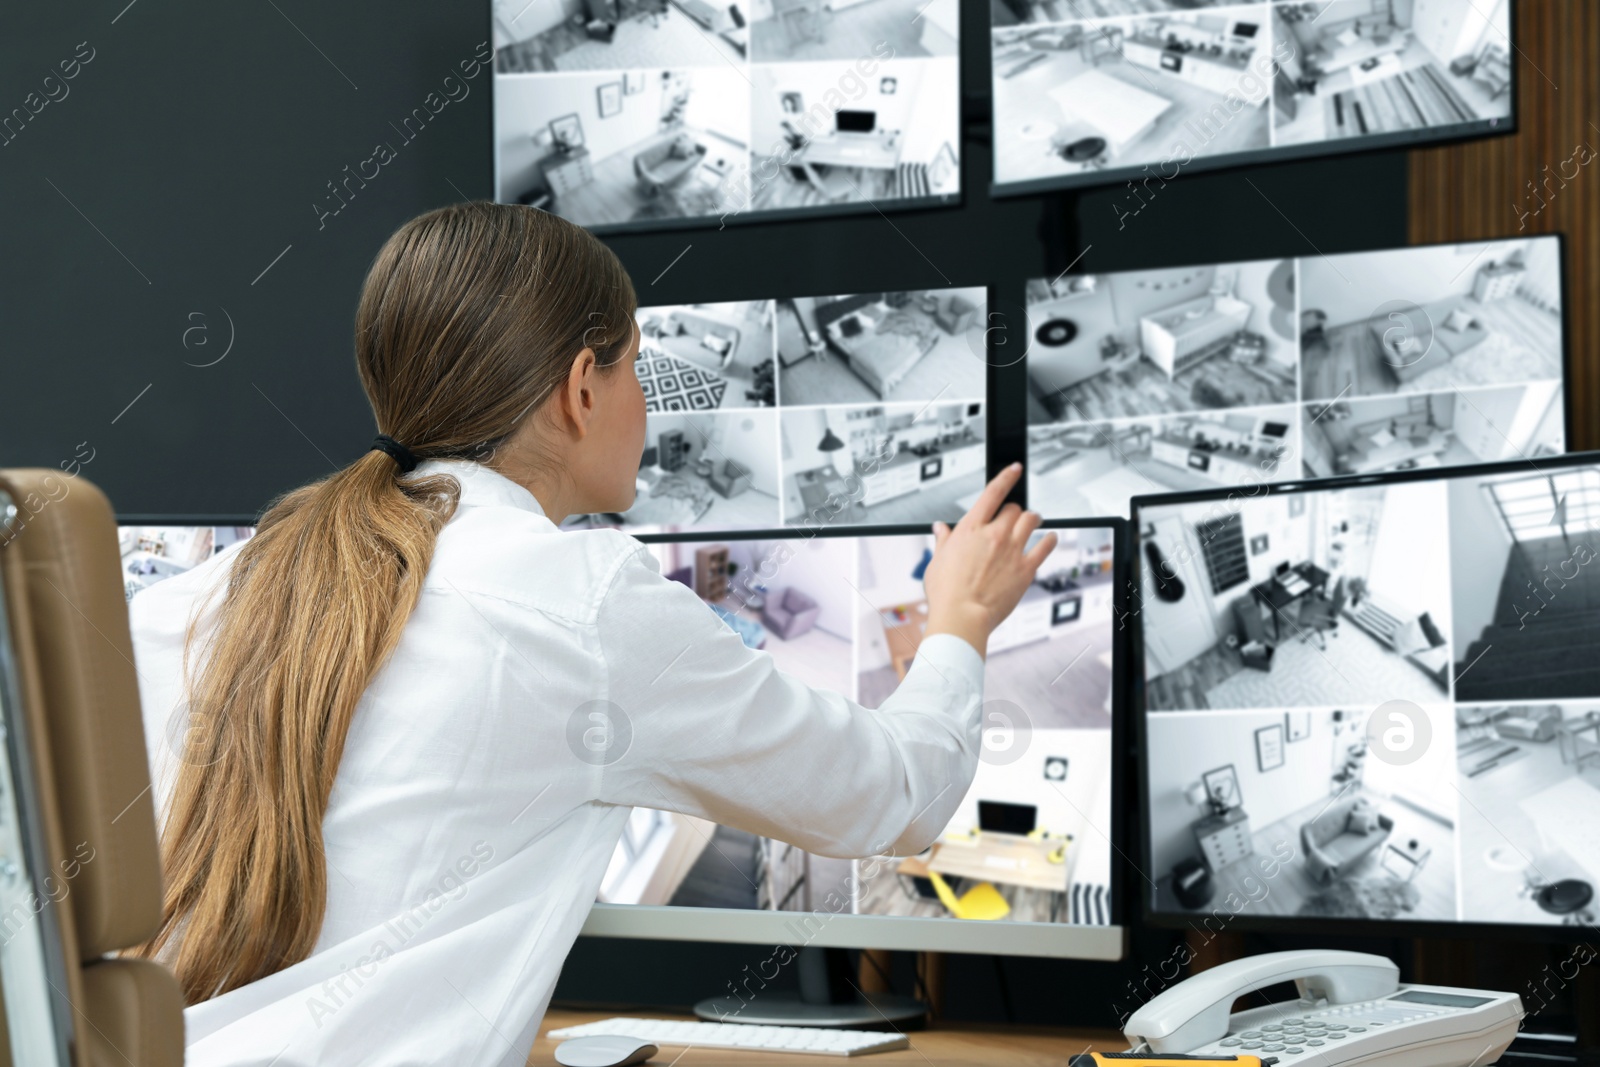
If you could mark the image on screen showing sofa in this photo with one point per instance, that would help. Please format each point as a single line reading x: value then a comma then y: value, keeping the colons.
x: 1288, y: 813
x: 1357, y: 69
x: 863, y: 347
x: 1417, y: 430
x: 831, y: 133
x: 1080, y: 96
x: 701, y: 357
x: 1157, y: 342
x: 1083, y: 469
x: 881, y: 463
x: 1529, y: 776
x: 1258, y: 606
x: 1524, y: 587
x: 1065, y: 617
x: 625, y: 148
x: 712, y: 470
x: 1430, y: 319
x: 788, y: 31
x: 616, y: 35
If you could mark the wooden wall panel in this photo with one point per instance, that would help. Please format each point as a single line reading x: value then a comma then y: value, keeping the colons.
x: 1545, y: 178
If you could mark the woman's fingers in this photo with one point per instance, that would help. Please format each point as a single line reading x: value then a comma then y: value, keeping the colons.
x: 983, y: 509
x: 1036, y: 556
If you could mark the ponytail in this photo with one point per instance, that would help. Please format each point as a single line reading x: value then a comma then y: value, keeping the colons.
x: 460, y: 335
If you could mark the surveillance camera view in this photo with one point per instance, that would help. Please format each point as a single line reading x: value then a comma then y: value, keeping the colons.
x: 1030, y: 842
x: 1377, y: 701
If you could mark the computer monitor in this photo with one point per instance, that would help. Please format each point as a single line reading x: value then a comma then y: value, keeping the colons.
x: 846, y: 121
x: 702, y: 114
x: 1409, y: 735
x: 844, y: 610
x: 1089, y: 94
x: 1038, y: 831
x: 1000, y: 817
x: 1179, y: 379
x: 842, y: 409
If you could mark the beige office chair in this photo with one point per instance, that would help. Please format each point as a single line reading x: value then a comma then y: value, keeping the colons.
x: 63, y: 598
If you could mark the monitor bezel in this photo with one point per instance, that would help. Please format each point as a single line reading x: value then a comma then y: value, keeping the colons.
x: 887, y: 932
x: 1137, y: 718
x: 1434, y: 137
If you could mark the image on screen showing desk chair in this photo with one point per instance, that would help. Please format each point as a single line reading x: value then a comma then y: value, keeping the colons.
x: 982, y: 901
x: 1088, y: 151
x: 1319, y: 616
x: 1569, y: 900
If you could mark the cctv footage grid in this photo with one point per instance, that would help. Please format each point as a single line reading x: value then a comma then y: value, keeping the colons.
x: 1190, y: 378
x: 1391, y: 688
x: 1111, y: 90
x: 810, y: 411
x: 639, y: 114
x: 1030, y: 842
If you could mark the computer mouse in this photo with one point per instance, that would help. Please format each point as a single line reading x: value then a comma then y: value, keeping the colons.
x: 603, y: 1050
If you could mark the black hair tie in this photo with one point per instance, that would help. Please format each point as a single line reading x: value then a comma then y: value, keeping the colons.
x: 401, y: 454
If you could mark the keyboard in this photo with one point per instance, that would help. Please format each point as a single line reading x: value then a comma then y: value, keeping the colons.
x: 740, y: 1035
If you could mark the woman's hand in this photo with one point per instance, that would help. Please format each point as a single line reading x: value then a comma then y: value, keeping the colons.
x: 979, y: 569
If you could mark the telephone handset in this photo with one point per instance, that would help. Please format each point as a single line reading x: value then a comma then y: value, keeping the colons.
x: 1351, y: 1007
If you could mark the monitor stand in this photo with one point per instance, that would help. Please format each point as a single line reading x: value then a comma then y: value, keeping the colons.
x: 828, y: 997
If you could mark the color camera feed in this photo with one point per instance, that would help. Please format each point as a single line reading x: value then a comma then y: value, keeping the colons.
x: 1031, y: 840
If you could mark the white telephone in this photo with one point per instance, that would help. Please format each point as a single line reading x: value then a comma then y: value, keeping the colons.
x: 1352, y: 1009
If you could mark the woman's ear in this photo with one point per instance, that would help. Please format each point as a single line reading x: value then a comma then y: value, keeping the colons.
x: 578, y: 397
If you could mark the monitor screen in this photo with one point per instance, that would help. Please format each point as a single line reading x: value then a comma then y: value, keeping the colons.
x: 845, y: 612
x: 1409, y: 730
x: 808, y: 411
x: 630, y: 116
x: 1100, y: 93
x: 855, y: 121
x: 1189, y: 378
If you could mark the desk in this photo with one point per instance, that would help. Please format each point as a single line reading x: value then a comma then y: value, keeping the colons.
x: 1276, y: 597
x: 953, y: 1046
x: 1004, y: 858
x: 876, y: 151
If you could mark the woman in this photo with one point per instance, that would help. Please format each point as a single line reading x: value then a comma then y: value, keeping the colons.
x: 373, y: 725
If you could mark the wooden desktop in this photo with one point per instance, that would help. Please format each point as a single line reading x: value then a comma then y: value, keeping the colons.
x: 944, y: 1045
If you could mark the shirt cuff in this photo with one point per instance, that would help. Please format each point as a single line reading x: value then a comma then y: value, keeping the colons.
x: 953, y: 658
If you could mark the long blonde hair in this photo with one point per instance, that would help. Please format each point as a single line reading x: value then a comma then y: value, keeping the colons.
x: 470, y: 318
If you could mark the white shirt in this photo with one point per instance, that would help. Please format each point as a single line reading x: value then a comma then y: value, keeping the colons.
x: 466, y: 838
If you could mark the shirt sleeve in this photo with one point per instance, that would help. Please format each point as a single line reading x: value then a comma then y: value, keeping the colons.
x: 719, y: 732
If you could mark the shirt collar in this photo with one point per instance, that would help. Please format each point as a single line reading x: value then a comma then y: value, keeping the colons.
x: 482, y: 486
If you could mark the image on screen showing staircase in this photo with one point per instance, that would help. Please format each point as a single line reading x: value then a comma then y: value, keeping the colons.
x: 1526, y: 587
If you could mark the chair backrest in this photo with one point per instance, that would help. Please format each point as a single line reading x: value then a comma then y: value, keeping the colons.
x: 79, y: 701
x: 1338, y: 595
